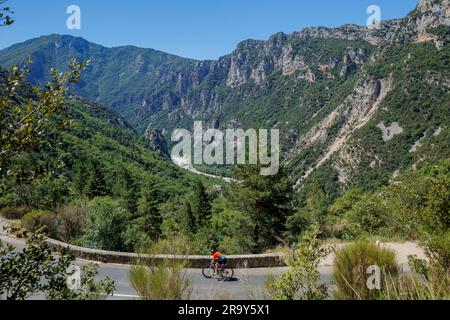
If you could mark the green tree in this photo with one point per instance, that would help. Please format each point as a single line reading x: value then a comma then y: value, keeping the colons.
x: 233, y: 230
x: 315, y: 211
x: 127, y: 189
x: 196, y: 209
x: 107, y: 221
x: 81, y: 175
x: 23, y: 121
x: 302, y: 281
x: 266, y: 199
x: 188, y: 217
x: 36, y: 270
x: 96, y: 185
x: 200, y: 204
x: 148, y: 208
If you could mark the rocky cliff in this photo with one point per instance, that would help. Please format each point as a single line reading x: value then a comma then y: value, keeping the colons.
x: 327, y: 89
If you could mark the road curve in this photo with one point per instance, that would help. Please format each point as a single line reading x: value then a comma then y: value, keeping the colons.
x: 180, y: 162
x: 248, y: 283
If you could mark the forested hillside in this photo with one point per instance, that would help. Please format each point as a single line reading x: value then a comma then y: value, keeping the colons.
x: 355, y: 106
x: 90, y: 153
x: 363, y: 115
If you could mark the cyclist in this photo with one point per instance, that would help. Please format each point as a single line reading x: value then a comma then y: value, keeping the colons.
x: 219, y: 261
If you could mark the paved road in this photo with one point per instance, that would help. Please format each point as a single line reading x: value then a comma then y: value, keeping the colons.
x: 180, y: 162
x: 249, y: 283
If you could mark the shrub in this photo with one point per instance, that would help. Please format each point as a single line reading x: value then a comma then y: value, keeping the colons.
x: 167, y: 280
x: 106, y: 222
x: 178, y: 245
x: 134, y: 236
x: 414, y: 287
x: 233, y: 230
x: 350, y: 271
x: 438, y: 250
x: 40, y: 219
x: 36, y: 270
x: 302, y: 281
x: 71, y: 220
x: 14, y: 213
x: 431, y: 279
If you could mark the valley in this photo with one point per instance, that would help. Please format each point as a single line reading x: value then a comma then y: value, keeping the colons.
x: 338, y: 135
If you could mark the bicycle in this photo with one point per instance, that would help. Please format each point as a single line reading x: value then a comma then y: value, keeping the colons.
x: 225, y: 273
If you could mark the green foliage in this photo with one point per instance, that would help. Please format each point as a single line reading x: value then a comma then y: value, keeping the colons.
x: 350, y: 270
x: 38, y: 219
x: 23, y: 121
x: 232, y: 230
x: 36, y: 270
x: 266, y: 200
x: 148, y: 208
x: 166, y: 279
x: 14, y: 213
x: 302, y: 281
x: 44, y: 193
x: 414, y: 206
x: 198, y: 207
x: 315, y: 211
x: 126, y: 188
x: 106, y: 224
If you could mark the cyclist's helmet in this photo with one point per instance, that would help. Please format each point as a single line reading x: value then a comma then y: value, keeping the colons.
x: 213, y: 251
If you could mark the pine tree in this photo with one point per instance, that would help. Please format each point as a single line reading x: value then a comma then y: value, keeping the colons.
x: 268, y: 201
x: 316, y: 203
x: 125, y: 188
x: 96, y: 185
x: 80, y: 178
x: 188, y: 218
x: 200, y: 204
x: 148, y: 209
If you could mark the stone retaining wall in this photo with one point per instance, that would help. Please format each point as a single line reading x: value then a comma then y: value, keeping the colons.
x: 240, y: 261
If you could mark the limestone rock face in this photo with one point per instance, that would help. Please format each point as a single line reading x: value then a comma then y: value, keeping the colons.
x: 157, y: 142
x: 314, y: 85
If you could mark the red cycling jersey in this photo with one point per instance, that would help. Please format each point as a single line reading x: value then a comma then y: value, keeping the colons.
x: 216, y: 256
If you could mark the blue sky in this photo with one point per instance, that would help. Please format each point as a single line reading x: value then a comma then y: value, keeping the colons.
x: 200, y: 29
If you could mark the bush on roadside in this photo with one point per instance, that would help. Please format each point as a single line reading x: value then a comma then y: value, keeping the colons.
x: 38, y: 219
x: 351, y: 275
x: 167, y: 280
x: 177, y: 245
x: 431, y: 278
x: 302, y: 281
x: 107, y: 221
x: 14, y: 213
x: 71, y: 221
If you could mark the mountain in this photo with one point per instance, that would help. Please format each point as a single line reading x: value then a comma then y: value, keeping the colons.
x: 354, y: 105
x: 97, y: 150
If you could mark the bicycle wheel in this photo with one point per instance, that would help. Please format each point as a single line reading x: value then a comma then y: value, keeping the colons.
x: 228, y: 273
x: 208, y: 271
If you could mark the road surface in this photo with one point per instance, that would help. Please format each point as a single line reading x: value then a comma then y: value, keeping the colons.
x: 180, y: 162
x: 247, y: 284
